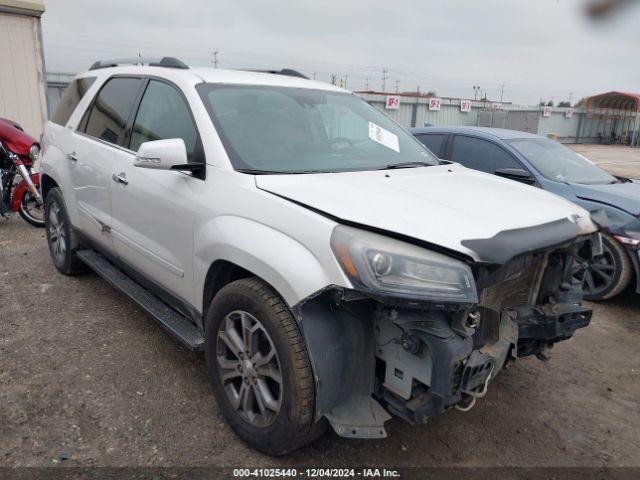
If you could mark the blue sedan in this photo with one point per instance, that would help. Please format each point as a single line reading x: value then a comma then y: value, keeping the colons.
x: 547, y: 164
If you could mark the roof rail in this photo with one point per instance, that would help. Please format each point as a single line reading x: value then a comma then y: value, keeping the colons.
x: 169, y: 62
x: 285, y: 71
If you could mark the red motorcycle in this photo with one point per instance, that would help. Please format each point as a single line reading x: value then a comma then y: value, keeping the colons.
x: 18, y: 153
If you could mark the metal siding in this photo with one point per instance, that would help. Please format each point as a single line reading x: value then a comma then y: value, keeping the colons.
x: 22, y: 96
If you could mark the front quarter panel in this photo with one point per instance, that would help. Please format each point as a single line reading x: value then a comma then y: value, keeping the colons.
x: 285, y: 244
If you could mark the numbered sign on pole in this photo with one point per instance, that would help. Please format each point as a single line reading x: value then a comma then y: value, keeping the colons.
x: 546, y: 111
x: 465, y: 105
x: 568, y: 113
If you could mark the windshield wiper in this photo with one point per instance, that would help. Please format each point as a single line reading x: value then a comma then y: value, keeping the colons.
x: 394, y: 166
x: 255, y: 171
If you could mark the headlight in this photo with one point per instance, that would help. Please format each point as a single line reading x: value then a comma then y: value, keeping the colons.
x: 386, y: 266
x: 34, y: 151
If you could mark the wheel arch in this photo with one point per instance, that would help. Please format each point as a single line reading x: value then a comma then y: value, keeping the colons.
x: 46, y: 184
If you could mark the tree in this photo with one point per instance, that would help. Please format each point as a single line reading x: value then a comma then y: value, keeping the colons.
x: 580, y: 102
x: 550, y: 103
x: 564, y: 104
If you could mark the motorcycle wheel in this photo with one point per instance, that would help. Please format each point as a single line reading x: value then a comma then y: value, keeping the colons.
x: 30, y: 211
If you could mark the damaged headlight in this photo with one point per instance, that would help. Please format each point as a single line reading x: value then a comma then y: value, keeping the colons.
x: 386, y: 266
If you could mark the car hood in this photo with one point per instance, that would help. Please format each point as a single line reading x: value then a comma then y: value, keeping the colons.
x: 625, y: 195
x: 447, y: 205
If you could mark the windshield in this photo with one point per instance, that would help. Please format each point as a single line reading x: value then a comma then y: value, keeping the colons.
x: 269, y: 129
x: 559, y: 163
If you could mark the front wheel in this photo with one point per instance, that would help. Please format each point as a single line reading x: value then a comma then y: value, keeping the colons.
x: 259, y: 368
x: 31, y: 211
x: 604, y: 276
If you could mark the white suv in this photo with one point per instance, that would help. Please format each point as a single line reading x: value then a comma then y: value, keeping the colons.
x: 332, y: 269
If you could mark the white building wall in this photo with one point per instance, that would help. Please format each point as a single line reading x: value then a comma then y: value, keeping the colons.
x: 22, y: 92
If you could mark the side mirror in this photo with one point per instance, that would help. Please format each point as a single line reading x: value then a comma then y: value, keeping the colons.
x: 167, y: 154
x: 517, y: 174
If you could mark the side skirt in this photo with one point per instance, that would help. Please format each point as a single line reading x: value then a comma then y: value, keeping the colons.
x: 176, y: 324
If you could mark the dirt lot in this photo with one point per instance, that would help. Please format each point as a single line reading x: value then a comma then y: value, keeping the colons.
x: 87, y: 379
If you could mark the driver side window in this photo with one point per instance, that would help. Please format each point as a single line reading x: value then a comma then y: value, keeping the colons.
x: 164, y: 114
x: 481, y: 154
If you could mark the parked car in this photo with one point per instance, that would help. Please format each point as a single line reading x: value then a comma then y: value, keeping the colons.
x: 329, y: 266
x: 547, y: 164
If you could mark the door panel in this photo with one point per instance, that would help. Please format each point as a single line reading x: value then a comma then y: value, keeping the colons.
x: 152, y: 224
x: 90, y: 175
x: 152, y: 213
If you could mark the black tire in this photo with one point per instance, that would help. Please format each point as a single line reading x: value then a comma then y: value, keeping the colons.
x: 292, y: 425
x: 607, y: 275
x: 26, y: 201
x: 67, y: 262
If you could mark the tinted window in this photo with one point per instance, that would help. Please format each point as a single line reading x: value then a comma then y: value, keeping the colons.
x: 69, y: 101
x: 164, y: 114
x: 481, y: 154
x: 111, y: 109
x: 433, y: 142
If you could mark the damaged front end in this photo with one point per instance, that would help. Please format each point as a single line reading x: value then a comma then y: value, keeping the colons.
x: 376, y: 352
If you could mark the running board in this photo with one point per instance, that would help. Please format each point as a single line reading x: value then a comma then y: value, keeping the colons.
x: 179, y: 326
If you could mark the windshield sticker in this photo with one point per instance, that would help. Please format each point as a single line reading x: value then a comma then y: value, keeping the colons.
x: 383, y: 137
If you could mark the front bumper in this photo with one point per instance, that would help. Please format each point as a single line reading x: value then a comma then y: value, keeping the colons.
x: 435, y: 366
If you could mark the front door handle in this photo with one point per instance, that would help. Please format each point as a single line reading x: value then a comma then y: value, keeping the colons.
x: 73, y: 156
x: 121, y: 178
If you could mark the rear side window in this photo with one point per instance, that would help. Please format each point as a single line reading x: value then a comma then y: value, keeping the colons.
x: 164, y: 114
x: 481, y: 155
x: 433, y: 142
x: 111, y: 109
x: 69, y: 101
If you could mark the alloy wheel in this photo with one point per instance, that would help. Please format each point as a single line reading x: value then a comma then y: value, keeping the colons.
x: 596, y: 274
x: 249, y: 368
x: 57, y: 236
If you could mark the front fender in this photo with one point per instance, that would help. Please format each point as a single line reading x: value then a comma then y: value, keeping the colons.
x: 293, y: 270
x: 20, y: 190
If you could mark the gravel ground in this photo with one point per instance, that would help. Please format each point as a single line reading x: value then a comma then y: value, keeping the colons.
x: 618, y: 159
x: 87, y: 379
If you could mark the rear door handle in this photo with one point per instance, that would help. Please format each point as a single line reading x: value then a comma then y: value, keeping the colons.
x: 73, y: 156
x: 121, y: 178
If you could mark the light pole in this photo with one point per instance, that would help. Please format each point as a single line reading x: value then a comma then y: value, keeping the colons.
x: 476, y: 90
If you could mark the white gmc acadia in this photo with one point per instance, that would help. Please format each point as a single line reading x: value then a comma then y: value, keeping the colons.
x: 332, y: 269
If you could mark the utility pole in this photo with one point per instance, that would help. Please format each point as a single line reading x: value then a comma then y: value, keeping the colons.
x: 502, y: 91
x: 397, y: 86
x: 385, y: 75
x: 345, y: 80
x: 570, y: 98
x: 366, y: 84
x: 215, y: 59
x: 314, y: 75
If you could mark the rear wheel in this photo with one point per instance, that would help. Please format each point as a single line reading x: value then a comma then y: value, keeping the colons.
x: 31, y: 211
x: 604, y: 276
x: 259, y: 368
x: 62, y: 240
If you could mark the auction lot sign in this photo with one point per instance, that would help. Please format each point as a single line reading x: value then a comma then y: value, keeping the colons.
x: 393, y: 102
x: 434, y: 104
x: 465, y: 105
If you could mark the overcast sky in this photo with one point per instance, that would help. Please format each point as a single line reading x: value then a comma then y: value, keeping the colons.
x: 537, y: 48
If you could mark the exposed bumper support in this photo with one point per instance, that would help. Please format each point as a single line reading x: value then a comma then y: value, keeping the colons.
x: 542, y: 326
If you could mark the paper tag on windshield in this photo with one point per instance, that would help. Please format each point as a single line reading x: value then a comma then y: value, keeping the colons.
x: 383, y: 137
